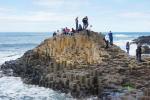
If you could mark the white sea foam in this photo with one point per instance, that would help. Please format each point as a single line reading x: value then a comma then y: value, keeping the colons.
x: 121, y: 40
x: 122, y: 45
x: 7, y: 56
x: 12, y: 88
x: 121, y: 36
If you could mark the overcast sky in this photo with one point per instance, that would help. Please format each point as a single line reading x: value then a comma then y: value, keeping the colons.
x: 50, y: 15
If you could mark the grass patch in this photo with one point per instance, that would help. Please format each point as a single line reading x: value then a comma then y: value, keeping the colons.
x: 129, y: 86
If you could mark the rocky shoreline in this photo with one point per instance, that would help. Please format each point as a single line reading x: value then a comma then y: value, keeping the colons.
x: 145, y: 41
x: 80, y: 64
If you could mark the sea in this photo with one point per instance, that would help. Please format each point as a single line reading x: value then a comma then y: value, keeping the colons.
x: 14, y: 44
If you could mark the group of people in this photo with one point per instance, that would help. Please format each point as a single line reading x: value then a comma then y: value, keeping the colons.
x: 64, y: 31
x: 79, y: 27
x: 138, y: 51
x: 108, y: 39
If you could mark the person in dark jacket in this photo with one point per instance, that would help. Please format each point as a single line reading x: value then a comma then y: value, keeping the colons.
x: 110, y: 38
x: 80, y: 27
x: 77, y: 23
x: 54, y: 34
x: 85, y: 22
x: 139, y: 53
x: 72, y: 31
x: 128, y: 47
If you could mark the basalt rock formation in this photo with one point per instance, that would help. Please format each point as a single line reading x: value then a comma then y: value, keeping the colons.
x: 79, y: 64
x: 146, y: 49
x: 145, y: 41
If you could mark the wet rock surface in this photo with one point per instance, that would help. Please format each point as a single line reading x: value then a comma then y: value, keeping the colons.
x: 146, y: 49
x: 143, y: 40
x: 80, y: 64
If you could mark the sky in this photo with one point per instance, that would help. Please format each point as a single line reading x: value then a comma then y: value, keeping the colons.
x: 50, y: 15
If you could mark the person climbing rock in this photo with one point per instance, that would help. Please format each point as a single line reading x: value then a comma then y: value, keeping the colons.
x: 128, y: 47
x: 77, y: 23
x: 106, y: 39
x: 80, y: 27
x: 110, y: 38
x: 139, y: 53
x: 85, y: 22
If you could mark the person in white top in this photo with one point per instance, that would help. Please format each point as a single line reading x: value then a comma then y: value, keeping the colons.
x: 107, y: 41
x: 58, y: 33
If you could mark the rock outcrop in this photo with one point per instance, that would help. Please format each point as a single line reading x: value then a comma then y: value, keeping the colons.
x: 143, y: 40
x: 146, y: 49
x: 79, y: 64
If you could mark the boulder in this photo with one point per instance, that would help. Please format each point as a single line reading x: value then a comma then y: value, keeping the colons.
x: 142, y: 40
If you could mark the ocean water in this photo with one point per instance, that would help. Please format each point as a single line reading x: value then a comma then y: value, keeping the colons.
x: 121, y: 38
x: 14, y: 44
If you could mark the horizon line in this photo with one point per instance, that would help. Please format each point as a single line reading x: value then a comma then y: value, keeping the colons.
x: 53, y: 31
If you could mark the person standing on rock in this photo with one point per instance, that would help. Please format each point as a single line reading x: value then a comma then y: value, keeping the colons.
x: 139, y: 52
x: 85, y: 22
x: 77, y: 24
x: 106, y: 39
x: 54, y: 34
x: 110, y: 38
x: 128, y: 47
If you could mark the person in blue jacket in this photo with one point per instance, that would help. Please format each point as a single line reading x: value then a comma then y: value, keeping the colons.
x: 110, y: 37
x: 128, y: 47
